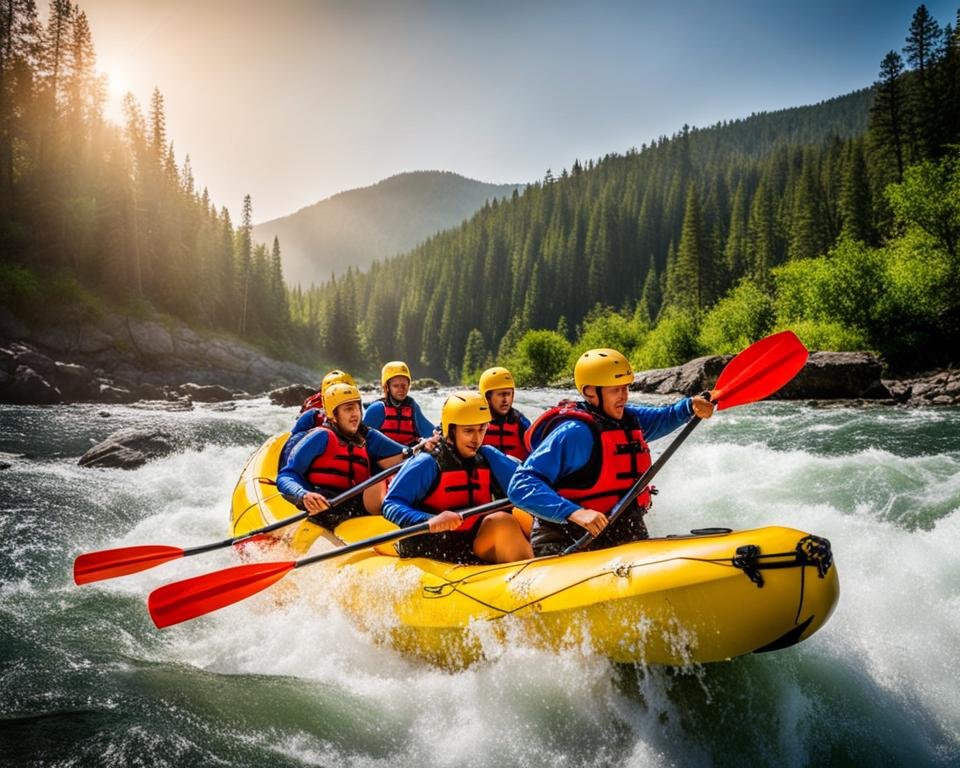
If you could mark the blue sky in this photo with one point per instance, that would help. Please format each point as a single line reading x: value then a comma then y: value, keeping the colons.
x: 295, y: 101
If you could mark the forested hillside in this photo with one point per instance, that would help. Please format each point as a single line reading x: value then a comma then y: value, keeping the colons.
x: 839, y: 219
x: 95, y: 214
x: 359, y: 226
x: 664, y: 232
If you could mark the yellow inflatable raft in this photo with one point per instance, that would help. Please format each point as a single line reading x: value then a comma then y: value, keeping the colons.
x: 679, y: 600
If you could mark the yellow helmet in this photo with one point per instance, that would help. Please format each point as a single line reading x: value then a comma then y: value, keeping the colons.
x: 496, y: 378
x: 338, y: 394
x: 336, y: 376
x: 394, y: 368
x: 464, y: 408
x: 602, y: 368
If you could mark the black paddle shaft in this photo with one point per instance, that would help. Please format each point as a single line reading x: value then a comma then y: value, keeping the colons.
x: 339, y: 499
x: 402, y: 533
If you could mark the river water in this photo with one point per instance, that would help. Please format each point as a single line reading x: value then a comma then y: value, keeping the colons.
x: 86, y: 679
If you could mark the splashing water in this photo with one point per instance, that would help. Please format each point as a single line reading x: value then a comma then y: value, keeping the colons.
x: 284, y: 678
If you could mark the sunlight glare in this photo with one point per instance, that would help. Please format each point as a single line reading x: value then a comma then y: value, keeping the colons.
x: 117, y: 85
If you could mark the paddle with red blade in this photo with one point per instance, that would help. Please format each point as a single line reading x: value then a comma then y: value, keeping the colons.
x: 111, y: 563
x: 756, y: 373
x: 187, y: 599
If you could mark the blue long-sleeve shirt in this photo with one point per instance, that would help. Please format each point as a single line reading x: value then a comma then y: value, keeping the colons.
x: 307, y: 420
x: 292, y: 482
x: 568, y: 448
x: 414, y: 481
x: 374, y: 415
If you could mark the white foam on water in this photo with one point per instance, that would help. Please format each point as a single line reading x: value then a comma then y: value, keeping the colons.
x: 893, y: 523
x: 899, y: 610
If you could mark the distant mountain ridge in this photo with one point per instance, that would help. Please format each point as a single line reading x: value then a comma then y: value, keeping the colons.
x: 357, y: 227
x: 636, y: 230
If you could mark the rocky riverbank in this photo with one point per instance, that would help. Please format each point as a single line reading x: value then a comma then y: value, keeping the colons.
x: 121, y: 359
x: 826, y: 376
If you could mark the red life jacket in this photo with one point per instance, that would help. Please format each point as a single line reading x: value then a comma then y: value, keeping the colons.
x: 398, y: 422
x: 459, y: 485
x: 341, y: 466
x: 505, y: 433
x: 314, y: 401
x: 620, y: 455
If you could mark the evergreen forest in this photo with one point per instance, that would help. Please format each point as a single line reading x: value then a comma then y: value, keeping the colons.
x: 840, y: 220
x: 97, y: 216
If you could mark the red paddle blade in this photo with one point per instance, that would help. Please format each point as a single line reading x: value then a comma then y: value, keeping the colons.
x: 760, y: 370
x: 110, y: 563
x: 194, y: 597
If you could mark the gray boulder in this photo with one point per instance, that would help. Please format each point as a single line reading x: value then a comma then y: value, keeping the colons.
x: 826, y: 376
x: 130, y: 448
x: 150, y: 392
x: 8, y: 362
x: 150, y: 338
x: 833, y: 375
x: 688, y: 379
x: 111, y: 394
x: 27, y: 387
x: 936, y: 388
x: 45, y: 366
x: 295, y: 394
x: 206, y: 393
x: 75, y: 382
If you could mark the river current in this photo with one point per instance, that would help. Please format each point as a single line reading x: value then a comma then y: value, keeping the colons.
x: 86, y: 679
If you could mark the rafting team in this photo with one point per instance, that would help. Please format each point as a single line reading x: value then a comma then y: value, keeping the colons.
x: 568, y: 469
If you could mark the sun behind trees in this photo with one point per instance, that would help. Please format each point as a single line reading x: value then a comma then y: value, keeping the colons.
x: 699, y: 242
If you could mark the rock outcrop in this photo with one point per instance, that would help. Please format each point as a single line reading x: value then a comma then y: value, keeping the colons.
x: 295, y: 394
x: 122, y: 359
x: 130, y: 448
x: 826, y: 375
x: 691, y: 378
x: 936, y: 388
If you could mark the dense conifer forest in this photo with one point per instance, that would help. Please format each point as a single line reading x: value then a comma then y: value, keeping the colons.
x: 700, y: 242
x: 96, y: 215
x: 840, y: 220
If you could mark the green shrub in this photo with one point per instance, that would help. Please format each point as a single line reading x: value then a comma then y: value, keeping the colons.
x: 539, y: 358
x: 919, y: 277
x: 828, y: 335
x: 845, y: 287
x: 19, y: 289
x: 673, y: 342
x: 605, y: 328
x: 744, y: 315
x: 929, y: 198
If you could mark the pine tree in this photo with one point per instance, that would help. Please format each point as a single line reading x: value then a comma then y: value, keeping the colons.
x: 856, y: 205
x: 474, y: 356
x: 158, y: 127
x: 761, y: 230
x: 735, y: 251
x: 693, y: 279
x: 923, y: 51
x: 949, y: 81
x: 19, y: 47
x: 244, y: 260
x: 807, y: 237
x: 56, y: 42
x: 279, y: 311
x: 890, y: 115
x: 651, y: 299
